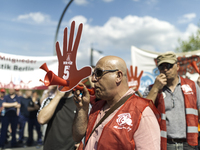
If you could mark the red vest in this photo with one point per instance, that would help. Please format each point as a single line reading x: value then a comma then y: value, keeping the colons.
x: 117, y: 133
x: 190, y: 99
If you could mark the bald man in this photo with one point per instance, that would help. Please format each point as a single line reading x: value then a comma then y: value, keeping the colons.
x: 132, y: 125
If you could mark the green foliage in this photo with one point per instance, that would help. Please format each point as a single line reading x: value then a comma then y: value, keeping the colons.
x: 192, y: 44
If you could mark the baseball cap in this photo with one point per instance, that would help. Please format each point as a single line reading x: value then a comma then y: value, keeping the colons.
x: 3, y: 90
x: 168, y: 57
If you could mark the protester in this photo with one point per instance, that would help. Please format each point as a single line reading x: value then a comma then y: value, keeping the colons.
x: 11, y: 103
x: 198, y: 82
x: 18, y: 92
x: 50, y: 92
x: 33, y: 107
x: 133, y: 125
x: 24, y: 114
x: 58, y: 113
x: 2, y: 110
x: 178, y: 101
x: 2, y: 94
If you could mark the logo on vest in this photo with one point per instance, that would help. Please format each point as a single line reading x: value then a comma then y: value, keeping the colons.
x: 124, y: 121
x: 186, y: 89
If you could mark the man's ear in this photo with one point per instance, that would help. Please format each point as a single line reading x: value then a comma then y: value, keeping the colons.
x: 119, y: 76
x: 178, y: 66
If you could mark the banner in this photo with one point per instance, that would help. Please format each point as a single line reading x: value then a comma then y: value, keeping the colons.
x: 146, y: 61
x: 23, y: 72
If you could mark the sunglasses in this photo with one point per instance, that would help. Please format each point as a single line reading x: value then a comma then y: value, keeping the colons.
x: 99, y: 73
x: 166, y: 65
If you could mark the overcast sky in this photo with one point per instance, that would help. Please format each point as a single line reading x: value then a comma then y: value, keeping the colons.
x: 28, y: 27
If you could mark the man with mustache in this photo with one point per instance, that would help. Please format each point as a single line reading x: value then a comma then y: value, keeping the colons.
x: 178, y: 101
x: 126, y: 125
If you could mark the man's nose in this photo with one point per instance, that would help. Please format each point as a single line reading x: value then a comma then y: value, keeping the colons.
x: 93, y: 78
x: 165, y: 68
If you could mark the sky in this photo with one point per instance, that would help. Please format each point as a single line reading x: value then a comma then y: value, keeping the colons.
x: 28, y: 27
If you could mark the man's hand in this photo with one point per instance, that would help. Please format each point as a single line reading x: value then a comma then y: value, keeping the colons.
x: 17, y: 105
x: 67, y: 62
x: 160, y: 81
x: 158, y: 85
x: 133, y: 80
x: 82, y: 100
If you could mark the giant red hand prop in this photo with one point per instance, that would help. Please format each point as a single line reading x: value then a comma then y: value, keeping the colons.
x: 194, y: 65
x: 67, y: 69
x: 67, y: 62
x: 133, y: 80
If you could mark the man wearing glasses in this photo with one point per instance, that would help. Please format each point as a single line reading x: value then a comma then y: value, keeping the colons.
x: 178, y: 101
x: 131, y: 125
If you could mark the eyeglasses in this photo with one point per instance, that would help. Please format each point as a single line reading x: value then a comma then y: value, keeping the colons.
x: 99, y: 73
x: 165, y: 65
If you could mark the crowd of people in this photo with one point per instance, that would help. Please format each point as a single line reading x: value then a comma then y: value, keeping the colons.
x: 17, y: 109
x: 165, y: 117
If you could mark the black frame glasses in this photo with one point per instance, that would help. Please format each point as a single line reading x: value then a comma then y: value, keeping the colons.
x: 165, y: 65
x: 98, y: 73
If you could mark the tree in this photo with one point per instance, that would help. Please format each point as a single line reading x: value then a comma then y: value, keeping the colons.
x: 192, y: 44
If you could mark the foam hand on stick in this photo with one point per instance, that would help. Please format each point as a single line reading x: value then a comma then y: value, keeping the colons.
x: 194, y: 65
x: 67, y: 69
x: 67, y: 62
x: 133, y: 80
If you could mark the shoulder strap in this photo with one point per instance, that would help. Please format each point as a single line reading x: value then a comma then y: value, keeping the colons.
x: 111, y: 110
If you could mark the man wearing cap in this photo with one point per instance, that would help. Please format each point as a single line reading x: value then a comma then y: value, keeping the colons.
x: 178, y: 101
x: 3, y: 91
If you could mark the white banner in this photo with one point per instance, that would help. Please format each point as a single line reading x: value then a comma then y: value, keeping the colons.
x: 23, y: 72
x: 146, y: 61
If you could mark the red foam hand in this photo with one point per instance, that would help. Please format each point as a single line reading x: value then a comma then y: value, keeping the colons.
x: 67, y: 62
x: 133, y: 80
x: 194, y: 65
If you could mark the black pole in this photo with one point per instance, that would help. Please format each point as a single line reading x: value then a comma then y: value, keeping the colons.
x: 58, y: 27
x: 91, y: 58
